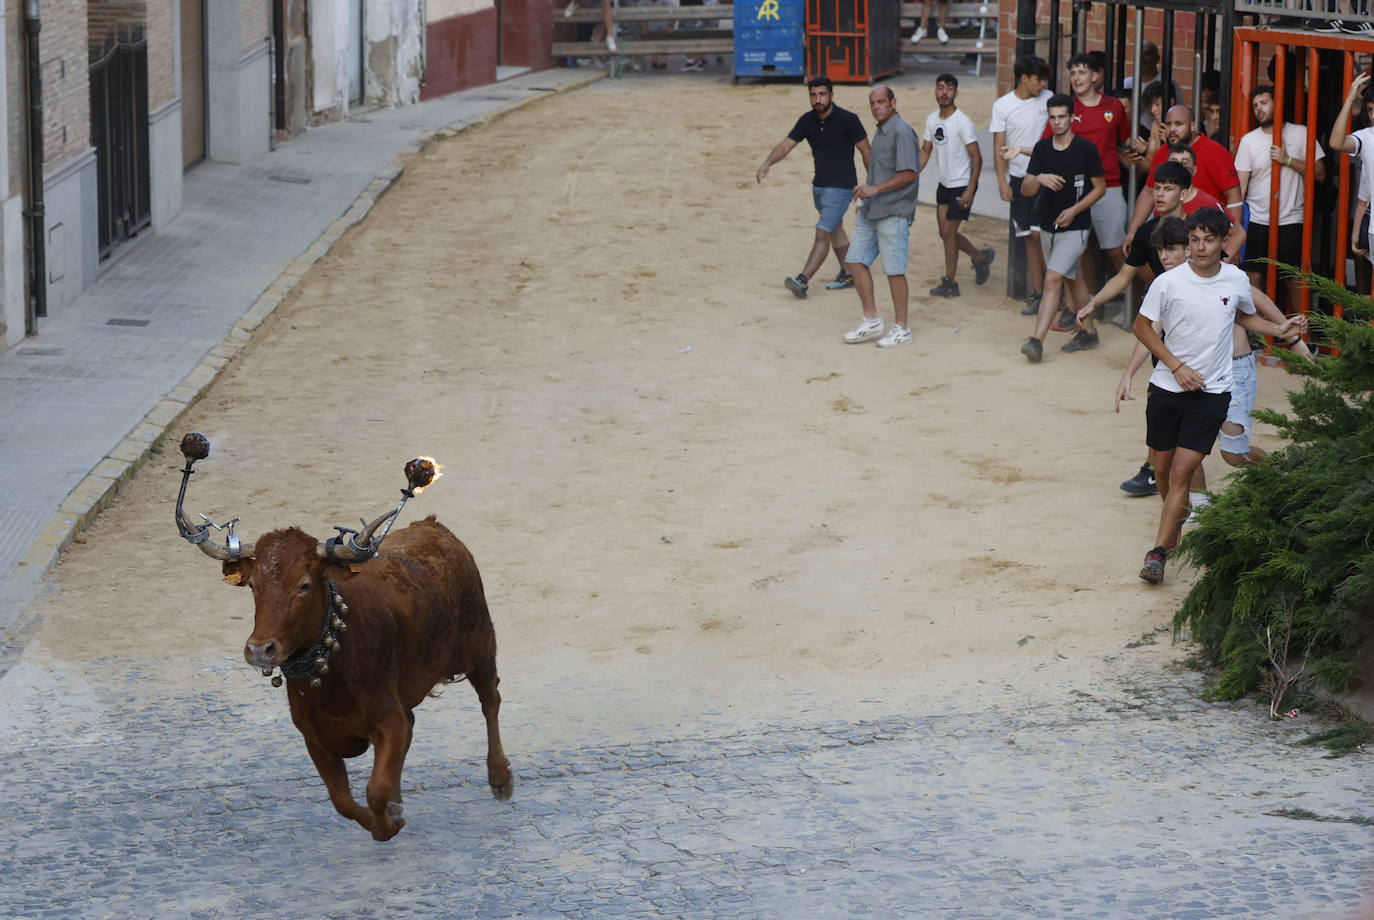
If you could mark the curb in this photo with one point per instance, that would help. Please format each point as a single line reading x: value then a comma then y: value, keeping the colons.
x: 106, y: 480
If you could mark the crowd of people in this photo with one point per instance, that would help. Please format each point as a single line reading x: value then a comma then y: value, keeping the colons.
x: 1193, y: 240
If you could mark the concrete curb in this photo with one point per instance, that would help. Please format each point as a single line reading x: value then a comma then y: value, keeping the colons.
x: 103, y: 483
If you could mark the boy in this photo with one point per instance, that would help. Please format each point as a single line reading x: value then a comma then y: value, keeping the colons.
x: 1018, y: 120
x: 1196, y: 305
x: 951, y: 138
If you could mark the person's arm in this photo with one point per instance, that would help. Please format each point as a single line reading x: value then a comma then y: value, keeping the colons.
x: 1123, y: 387
x: 1256, y: 323
x: 1357, y: 242
x: 1244, y: 176
x: 1144, y: 204
x: 900, y: 179
x: 776, y: 154
x: 1067, y: 215
x: 1340, y: 140
x: 1285, y: 159
x: 1233, y: 247
x: 999, y: 165
x: 862, y: 147
x: 1114, y: 286
x: 975, y: 169
x: 926, y: 150
x: 1187, y: 378
x: 1266, y: 308
x: 1031, y: 184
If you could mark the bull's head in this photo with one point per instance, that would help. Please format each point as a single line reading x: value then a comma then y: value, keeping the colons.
x: 290, y: 573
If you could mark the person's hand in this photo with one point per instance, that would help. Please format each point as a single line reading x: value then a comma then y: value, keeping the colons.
x: 1123, y: 391
x: 1277, y: 154
x: 1009, y: 153
x: 1065, y: 218
x: 1139, y: 145
x: 1086, y: 312
x: 966, y: 199
x: 1355, y: 239
x: 763, y: 171
x: 1126, y: 243
x: 1004, y: 187
x: 863, y: 192
x: 1293, y: 325
x: 1188, y: 378
x: 1357, y: 85
x: 1052, y: 182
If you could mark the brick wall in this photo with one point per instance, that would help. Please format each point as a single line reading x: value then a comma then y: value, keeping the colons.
x: 162, y: 49
x: 108, y: 18
x: 255, y: 19
x: 66, y: 89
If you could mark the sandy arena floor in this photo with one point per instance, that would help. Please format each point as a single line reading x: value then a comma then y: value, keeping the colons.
x: 684, y: 491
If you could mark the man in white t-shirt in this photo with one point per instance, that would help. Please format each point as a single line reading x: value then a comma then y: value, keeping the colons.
x: 1361, y: 143
x: 1190, y: 390
x: 1255, y: 155
x: 951, y: 138
x: 1018, y: 120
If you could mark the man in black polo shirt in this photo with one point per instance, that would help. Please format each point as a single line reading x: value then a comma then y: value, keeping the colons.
x: 834, y: 134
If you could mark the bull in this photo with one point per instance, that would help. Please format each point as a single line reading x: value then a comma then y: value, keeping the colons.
x: 362, y: 637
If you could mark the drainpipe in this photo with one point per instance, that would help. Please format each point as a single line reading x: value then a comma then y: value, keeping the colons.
x: 38, y: 268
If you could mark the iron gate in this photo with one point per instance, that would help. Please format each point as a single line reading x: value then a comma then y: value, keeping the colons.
x: 119, y: 131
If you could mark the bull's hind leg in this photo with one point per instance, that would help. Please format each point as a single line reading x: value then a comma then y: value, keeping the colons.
x: 484, y: 680
x: 335, y: 775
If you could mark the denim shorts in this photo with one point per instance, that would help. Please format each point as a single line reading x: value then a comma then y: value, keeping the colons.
x: 830, y: 204
x: 1244, y: 388
x: 888, y: 237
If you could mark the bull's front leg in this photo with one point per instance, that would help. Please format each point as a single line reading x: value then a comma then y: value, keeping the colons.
x: 485, y: 681
x: 335, y: 775
x: 390, y: 743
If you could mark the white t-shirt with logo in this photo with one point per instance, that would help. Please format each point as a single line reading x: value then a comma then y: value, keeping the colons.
x: 949, y: 139
x: 1252, y: 156
x: 1364, y: 149
x: 1197, y: 315
x: 1023, y: 121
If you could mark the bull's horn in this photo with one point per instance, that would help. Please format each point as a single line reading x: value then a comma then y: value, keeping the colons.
x: 195, y: 446
x: 357, y: 548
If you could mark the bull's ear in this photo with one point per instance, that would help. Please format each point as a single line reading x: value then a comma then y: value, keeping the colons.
x: 235, y: 573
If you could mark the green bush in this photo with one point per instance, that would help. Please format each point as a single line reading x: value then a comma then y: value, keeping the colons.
x: 1286, y: 552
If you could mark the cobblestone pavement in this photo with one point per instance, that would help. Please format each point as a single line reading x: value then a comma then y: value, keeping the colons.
x: 1138, y: 801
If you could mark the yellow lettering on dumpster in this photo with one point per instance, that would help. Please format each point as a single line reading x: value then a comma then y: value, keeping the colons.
x: 769, y: 10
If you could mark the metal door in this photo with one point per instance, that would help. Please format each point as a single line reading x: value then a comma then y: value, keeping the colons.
x: 119, y: 132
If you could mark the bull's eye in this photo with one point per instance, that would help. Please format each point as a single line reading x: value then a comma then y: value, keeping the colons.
x: 305, y: 586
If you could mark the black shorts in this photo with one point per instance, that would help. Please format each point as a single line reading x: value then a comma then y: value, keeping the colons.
x: 1188, y: 419
x: 1257, y: 246
x: 950, y: 198
x: 1022, y: 209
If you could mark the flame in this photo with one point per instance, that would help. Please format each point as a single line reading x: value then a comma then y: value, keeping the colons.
x: 438, y: 472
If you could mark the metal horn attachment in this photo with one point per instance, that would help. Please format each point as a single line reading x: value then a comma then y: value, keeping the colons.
x: 195, y: 446
x: 354, y: 546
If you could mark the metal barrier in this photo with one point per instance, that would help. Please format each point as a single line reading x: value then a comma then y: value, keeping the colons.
x: 119, y: 132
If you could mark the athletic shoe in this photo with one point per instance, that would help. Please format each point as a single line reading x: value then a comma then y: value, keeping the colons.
x: 1033, y: 350
x: 1032, y: 306
x: 843, y: 280
x: 942, y: 35
x: 981, y: 270
x: 867, y: 329
x: 1153, y: 569
x: 1334, y: 25
x: 1356, y: 28
x: 694, y: 66
x: 919, y: 34
x: 947, y: 287
x: 896, y: 335
x: 1081, y: 341
x: 1142, y: 483
x: 1067, y: 322
x: 796, y: 285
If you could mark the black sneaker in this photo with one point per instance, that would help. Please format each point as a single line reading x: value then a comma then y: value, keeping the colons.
x: 1153, y: 569
x: 1082, y: 341
x: 843, y: 280
x: 1142, y: 483
x: 947, y: 287
x: 981, y: 270
x: 1033, y: 350
x: 796, y: 285
x: 1067, y: 322
x: 1032, y: 306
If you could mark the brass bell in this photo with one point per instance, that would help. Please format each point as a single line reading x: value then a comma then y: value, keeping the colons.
x: 276, y: 681
x: 338, y: 624
x: 329, y: 642
x: 343, y: 608
x: 266, y: 672
x: 314, y: 681
x: 324, y: 669
x: 342, y: 626
x: 319, y: 662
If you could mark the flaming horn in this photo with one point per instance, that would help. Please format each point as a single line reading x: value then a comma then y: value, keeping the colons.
x: 195, y: 446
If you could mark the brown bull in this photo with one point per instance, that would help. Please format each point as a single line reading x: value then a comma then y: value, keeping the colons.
x: 361, y: 645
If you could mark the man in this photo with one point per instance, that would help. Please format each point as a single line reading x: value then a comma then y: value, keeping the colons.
x: 834, y: 134
x: 883, y: 225
x: 1196, y: 304
x: 1018, y: 120
x: 1215, y: 174
x: 1254, y: 154
x: 1149, y: 76
x: 1069, y: 171
x: 951, y: 138
x: 1195, y: 199
x: 1361, y: 143
x: 926, y: 16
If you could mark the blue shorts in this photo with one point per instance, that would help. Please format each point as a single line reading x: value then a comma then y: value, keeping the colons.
x: 887, y: 237
x: 1244, y: 388
x: 830, y: 205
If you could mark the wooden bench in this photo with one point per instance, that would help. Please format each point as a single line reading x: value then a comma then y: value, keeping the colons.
x: 983, y: 44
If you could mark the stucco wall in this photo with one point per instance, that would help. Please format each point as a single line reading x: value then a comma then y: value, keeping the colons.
x: 439, y: 10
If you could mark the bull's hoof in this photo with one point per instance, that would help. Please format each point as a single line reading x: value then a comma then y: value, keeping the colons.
x: 503, y: 791
x: 393, y: 811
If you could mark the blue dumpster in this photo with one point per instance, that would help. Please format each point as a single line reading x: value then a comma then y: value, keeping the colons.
x: 770, y: 38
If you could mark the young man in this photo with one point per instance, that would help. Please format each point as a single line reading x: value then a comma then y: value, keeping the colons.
x: 1361, y: 143
x: 1018, y: 121
x: 1215, y: 173
x: 927, y: 16
x: 951, y: 138
x: 1196, y: 305
x: 1069, y: 171
x: 834, y: 134
x: 1255, y: 155
x: 883, y: 224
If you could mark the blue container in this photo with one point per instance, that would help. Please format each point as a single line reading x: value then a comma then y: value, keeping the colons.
x: 770, y: 38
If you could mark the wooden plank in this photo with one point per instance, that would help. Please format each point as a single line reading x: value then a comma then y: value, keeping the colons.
x: 955, y: 46
x: 598, y: 49
x: 650, y: 14
x: 956, y: 10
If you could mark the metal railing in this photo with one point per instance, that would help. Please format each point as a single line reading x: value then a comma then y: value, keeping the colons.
x: 1351, y: 16
x: 119, y: 132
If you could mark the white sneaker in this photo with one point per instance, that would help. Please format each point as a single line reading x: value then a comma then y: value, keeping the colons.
x: 896, y: 335
x: 867, y: 329
x: 942, y: 35
x: 919, y: 34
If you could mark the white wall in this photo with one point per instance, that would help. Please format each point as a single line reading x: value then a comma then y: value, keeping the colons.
x: 439, y: 10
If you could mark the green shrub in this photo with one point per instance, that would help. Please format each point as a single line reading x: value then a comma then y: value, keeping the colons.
x: 1286, y: 552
